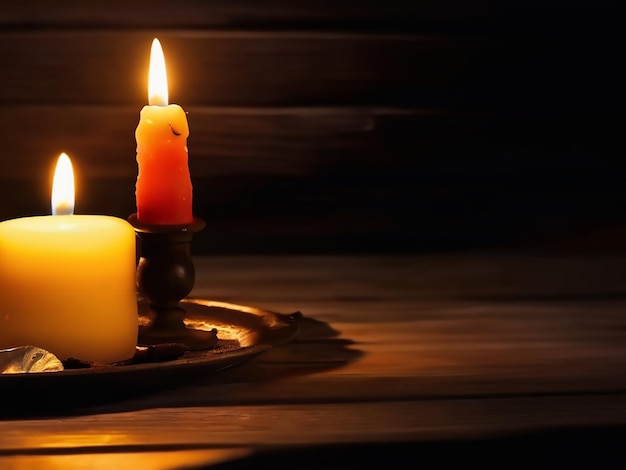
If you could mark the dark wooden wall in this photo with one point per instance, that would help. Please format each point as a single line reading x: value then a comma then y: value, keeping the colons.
x: 340, y: 125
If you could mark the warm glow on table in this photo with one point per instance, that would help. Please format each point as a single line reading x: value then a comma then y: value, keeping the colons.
x: 163, y: 189
x: 67, y: 283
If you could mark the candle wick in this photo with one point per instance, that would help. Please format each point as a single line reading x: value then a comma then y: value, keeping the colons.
x: 64, y: 208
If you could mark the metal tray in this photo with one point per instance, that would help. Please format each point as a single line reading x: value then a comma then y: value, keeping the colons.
x: 243, y: 333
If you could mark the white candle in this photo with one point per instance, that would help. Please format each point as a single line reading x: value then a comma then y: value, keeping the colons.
x: 67, y: 282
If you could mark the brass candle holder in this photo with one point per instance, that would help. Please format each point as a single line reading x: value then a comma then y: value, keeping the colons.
x: 165, y: 276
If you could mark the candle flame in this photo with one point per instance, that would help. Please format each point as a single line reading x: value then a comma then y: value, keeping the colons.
x: 63, y: 187
x: 157, y: 80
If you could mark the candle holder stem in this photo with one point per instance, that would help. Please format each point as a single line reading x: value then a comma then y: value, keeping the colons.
x: 165, y: 276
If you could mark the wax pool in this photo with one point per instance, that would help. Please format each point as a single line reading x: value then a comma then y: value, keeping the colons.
x: 67, y: 284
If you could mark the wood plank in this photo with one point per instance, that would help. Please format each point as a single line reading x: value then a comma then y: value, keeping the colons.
x: 231, y: 68
x: 226, y: 13
x: 290, y: 425
x: 488, y: 324
x: 393, y: 14
x: 223, y: 141
x: 402, y: 364
x: 267, y: 215
x: 139, y: 459
x: 299, y: 141
x: 327, y: 281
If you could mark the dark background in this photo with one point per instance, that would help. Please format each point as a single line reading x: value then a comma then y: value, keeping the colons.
x: 333, y: 126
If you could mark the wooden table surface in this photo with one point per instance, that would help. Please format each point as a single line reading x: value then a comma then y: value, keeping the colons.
x: 399, y: 359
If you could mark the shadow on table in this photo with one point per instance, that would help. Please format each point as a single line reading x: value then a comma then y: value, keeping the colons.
x: 318, y: 347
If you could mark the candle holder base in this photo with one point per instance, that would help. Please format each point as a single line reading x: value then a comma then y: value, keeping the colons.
x: 167, y: 326
x: 194, y: 340
x: 165, y: 276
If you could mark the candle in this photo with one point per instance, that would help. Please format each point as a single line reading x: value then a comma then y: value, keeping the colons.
x: 67, y: 282
x: 163, y: 188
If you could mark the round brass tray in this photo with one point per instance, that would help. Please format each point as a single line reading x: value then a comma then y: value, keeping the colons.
x: 242, y: 334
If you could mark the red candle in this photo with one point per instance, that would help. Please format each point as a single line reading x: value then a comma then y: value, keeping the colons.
x: 163, y: 189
